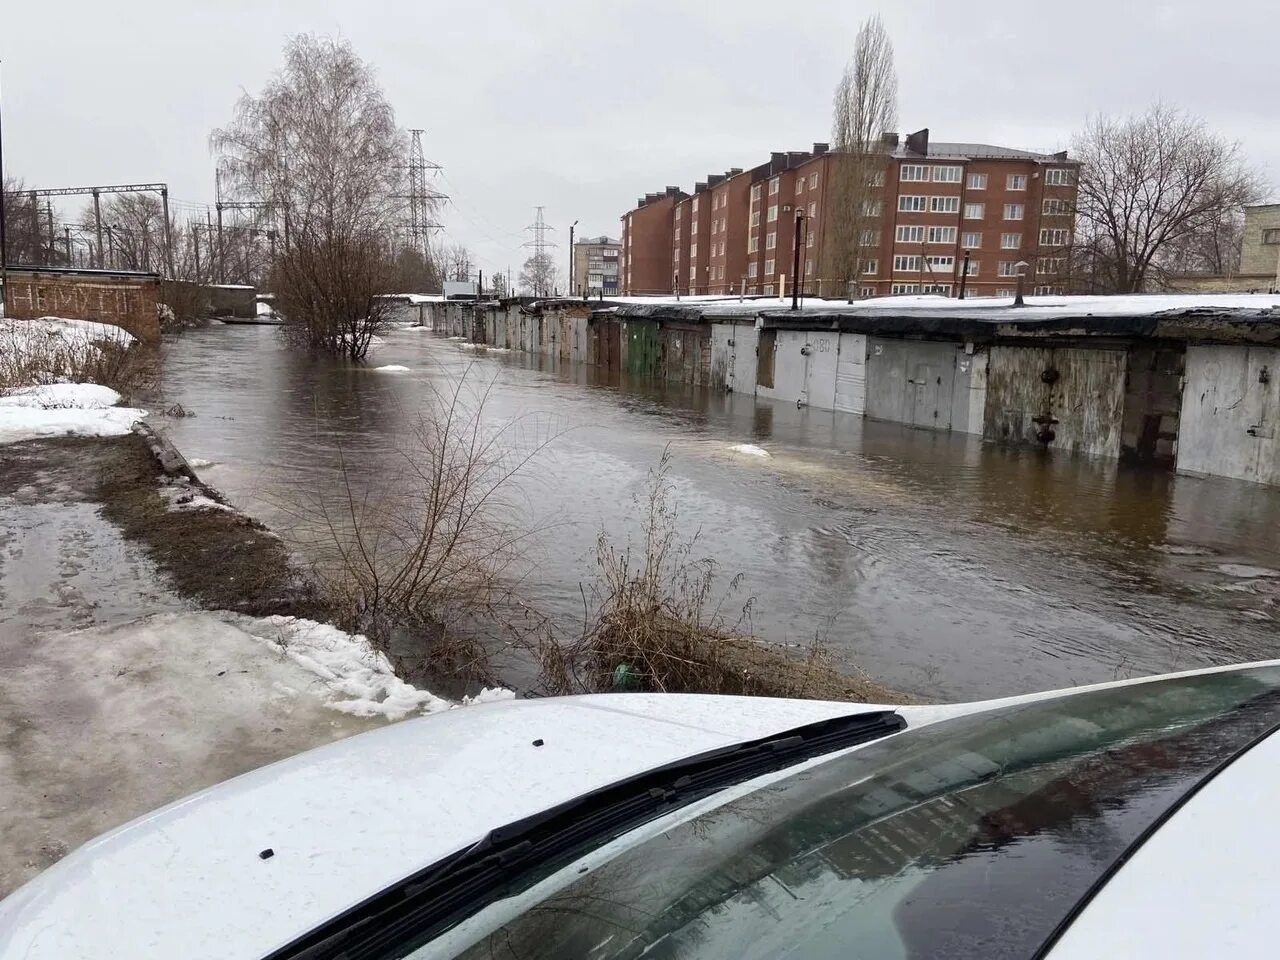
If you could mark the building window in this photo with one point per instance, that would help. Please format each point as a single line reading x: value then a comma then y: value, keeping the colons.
x: 947, y: 174
x: 774, y: 185
x: 675, y: 256
x: 773, y: 213
x: 975, y: 211
x: 1055, y: 238
x: 1016, y: 181
x: 715, y: 224
x: 906, y: 288
x: 1053, y: 207
x: 909, y: 235
x: 875, y: 179
x: 810, y: 238
x: 677, y: 236
x: 813, y: 181
x: 1003, y: 292
x: 871, y: 267
x: 1007, y: 268
x: 799, y: 185
x: 942, y: 288
x: 971, y: 241
x: 695, y: 204
x: 906, y: 264
x: 868, y: 238
x: 722, y: 248
x: 1271, y: 236
x: 1013, y: 211
x: 753, y: 244
x: 1051, y: 265
x: 912, y: 204
x: 813, y: 210
x: 755, y: 218
x: 808, y: 268
x: 944, y: 204
x: 972, y: 269
x: 914, y: 171
x: 937, y: 264
x: 770, y: 241
x: 977, y: 181
x: 679, y: 211
x: 1010, y: 241
x: 942, y: 235
x: 868, y: 291
x: 751, y: 269
x: 768, y: 268
x: 1059, y: 177
x: 768, y: 290
x: 693, y: 251
x: 755, y: 193
x: 1046, y: 290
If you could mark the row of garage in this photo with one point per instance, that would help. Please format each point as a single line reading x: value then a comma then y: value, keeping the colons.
x: 1202, y: 407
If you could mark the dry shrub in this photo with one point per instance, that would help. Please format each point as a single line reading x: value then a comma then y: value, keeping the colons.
x: 33, y: 354
x: 409, y: 555
x: 660, y: 624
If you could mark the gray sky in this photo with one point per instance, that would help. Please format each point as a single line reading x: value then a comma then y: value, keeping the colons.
x: 583, y: 105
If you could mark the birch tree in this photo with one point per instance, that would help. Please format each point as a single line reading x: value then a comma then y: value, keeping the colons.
x: 865, y: 109
x: 1150, y: 185
x: 320, y: 149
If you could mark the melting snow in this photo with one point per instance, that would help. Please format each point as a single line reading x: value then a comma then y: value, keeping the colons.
x: 182, y: 494
x: 391, y: 368
x: 1245, y: 571
x: 64, y: 409
x: 750, y: 449
x: 356, y: 678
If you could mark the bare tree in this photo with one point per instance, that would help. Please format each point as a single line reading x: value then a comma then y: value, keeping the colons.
x: 865, y: 109
x: 538, y: 275
x: 456, y: 262
x: 1150, y: 184
x: 499, y: 286
x: 319, y: 147
x: 25, y: 234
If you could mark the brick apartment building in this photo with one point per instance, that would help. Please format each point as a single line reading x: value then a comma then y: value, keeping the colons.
x: 737, y: 230
x: 595, y: 266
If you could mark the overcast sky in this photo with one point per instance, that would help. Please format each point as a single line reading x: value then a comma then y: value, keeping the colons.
x: 581, y: 106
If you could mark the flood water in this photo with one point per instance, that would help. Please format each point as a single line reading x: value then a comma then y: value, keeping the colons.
x: 943, y: 566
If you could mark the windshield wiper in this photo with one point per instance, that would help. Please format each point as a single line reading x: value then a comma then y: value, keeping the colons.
x: 514, y: 857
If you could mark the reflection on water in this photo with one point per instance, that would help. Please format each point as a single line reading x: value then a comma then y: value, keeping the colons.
x: 943, y: 566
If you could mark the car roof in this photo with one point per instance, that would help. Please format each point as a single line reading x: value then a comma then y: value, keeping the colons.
x: 1202, y: 885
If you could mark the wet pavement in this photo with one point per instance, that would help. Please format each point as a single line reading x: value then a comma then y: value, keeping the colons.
x: 945, y: 567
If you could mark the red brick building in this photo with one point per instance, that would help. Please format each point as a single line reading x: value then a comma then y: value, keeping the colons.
x: 940, y: 201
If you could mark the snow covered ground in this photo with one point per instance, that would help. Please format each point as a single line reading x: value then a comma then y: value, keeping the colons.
x: 64, y: 409
x: 59, y: 332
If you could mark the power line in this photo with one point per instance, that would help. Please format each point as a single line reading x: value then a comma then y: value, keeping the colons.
x: 422, y: 201
x: 540, y: 245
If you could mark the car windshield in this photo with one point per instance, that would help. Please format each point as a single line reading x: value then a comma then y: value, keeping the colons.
x: 976, y: 837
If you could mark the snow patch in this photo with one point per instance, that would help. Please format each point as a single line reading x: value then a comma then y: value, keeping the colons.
x: 1183, y: 550
x: 391, y: 368
x: 356, y: 678
x: 182, y: 494
x: 64, y: 409
x: 67, y: 332
x: 750, y: 450
x: 198, y: 463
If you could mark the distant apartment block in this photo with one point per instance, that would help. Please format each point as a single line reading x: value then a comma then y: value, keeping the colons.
x: 1260, y: 249
x: 595, y: 266
x: 737, y: 231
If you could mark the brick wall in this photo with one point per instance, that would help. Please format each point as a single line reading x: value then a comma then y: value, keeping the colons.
x: 126, y: 300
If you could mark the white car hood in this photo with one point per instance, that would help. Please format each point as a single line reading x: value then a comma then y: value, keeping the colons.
x: 349, y: 819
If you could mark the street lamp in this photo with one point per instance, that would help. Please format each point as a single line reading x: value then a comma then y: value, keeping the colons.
x: 1021, y: 267
x: 795, y: 260
x: 964, y: 272
x: 572, y: 256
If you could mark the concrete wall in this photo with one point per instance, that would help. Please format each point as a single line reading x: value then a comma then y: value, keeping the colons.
x: 1256, y: 255
x: 1230, y: 409
x: 1153, y: 399
x: 128, y: 301
x: 1065, y: 398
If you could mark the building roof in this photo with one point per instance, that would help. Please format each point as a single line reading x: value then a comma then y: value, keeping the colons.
x: 601, y: 241
x: 990, y: 151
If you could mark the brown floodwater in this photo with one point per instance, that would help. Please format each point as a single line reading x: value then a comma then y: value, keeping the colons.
x: 944, y: 566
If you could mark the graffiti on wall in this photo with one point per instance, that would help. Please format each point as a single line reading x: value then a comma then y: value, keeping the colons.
x: 108, y: 301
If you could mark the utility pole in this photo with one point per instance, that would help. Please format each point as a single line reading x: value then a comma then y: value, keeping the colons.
x: 4, y: 237
x: 97, y: 225
x: 964, y: 274
x: 53, y: 240
x: 193, y: 226
x: 111, y: 247
x: 66, y: 241
x: 168, y: 233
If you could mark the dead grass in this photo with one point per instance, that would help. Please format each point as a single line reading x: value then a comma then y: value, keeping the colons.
x: 31, y: 355
x: 661, y: 623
